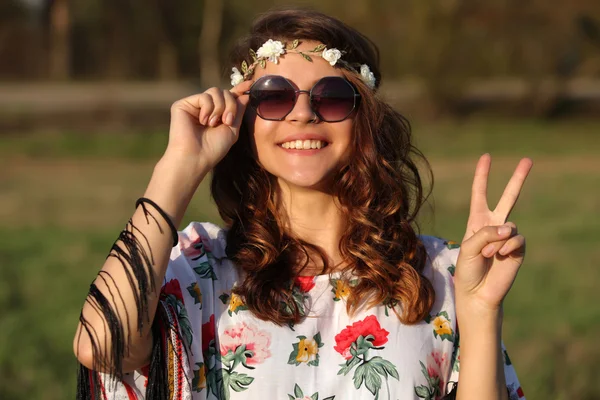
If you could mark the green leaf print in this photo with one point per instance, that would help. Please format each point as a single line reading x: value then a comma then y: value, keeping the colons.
x: 348, y: 365
x: 451, y: 269
x: 224, y: 297
x: 384, y: 367
x: 299, y: 394
x: 239, y: 382
x: 433, y: 385
x: 422, y: 392
x: 506, y: 358
x: 182, y: 317
x: 451, y: 245
x: 372, y: 380
x: 205, y: 271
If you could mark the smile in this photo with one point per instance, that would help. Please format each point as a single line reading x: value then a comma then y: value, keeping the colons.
x: 304, y: 144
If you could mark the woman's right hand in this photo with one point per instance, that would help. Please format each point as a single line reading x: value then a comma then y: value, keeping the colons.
x: 205, y: 126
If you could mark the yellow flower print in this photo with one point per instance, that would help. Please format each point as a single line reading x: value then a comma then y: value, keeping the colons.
x: 342, y: 290
x: 194, y: 291
x: 307, y: 350
x: 442, y: 327
x: 235, y: 302
x: 199, y: 380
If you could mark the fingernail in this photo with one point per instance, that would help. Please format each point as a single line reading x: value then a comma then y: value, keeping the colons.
x: 487, y: 251
x: 213, y: 120
x: 229, y: 119
x: 503, y: 250
x: 504, y: 230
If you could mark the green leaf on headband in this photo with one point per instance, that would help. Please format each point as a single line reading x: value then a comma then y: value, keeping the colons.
x: 253, y: 54
x: 319, y: 48
x: 295, y: 43
x: 244, y: 67
x: 306, y: 56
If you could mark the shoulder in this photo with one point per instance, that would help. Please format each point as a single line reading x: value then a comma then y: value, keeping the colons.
x: 439, y: 268
x: 199, y: 237
x: 441, y: 253
x: 201, y: 254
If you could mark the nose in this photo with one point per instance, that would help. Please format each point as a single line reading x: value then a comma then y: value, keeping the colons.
x: 302, y: 111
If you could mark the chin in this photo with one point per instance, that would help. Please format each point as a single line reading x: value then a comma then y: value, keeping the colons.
x: 319, y: 183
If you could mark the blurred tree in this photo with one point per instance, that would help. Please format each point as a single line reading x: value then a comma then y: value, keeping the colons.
x: 59, y: 35
x: 209, y: 42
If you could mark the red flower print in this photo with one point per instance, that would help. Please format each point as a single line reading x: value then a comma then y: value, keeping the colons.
x: 305, y: 283
x: 189, y: 244
x: 437, y: 367
x: 172, y: 287
x: 208, y: 333
x: 364, y: 328
x: 145, y: 372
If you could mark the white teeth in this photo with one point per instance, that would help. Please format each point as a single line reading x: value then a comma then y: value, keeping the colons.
x: 304, y: 144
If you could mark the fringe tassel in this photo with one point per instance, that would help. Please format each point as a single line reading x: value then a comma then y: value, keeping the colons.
x: 137, y: 263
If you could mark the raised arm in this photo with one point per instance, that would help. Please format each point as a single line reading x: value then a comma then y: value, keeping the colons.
x: 114, y: 332
x: 490, y: 256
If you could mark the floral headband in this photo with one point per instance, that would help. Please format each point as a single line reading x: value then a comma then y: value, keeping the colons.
x: 271, y: 50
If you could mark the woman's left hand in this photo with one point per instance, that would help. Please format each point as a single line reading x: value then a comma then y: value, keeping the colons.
x: 492, y: 249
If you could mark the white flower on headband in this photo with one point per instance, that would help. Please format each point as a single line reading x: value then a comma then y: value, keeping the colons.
x: 367, y: 76
x: 331, y: 55
x: 236, y: 77
x: 271, y: 50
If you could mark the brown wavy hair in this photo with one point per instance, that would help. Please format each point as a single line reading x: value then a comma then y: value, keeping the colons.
x: 380, y: 192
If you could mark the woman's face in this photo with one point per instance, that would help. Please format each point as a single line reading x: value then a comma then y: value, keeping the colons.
x: 314, y: 168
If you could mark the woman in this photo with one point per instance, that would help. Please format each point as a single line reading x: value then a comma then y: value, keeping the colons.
x: 319, y: 287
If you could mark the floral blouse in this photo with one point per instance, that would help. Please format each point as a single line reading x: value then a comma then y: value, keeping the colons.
x: 219, y: 350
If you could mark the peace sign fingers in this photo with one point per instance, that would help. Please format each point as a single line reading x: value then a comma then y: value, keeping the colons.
x: 513, y: 189
x: 479, y: 189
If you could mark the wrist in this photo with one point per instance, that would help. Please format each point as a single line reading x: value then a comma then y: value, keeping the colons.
x: 172, y: 187
x: 474, y: 317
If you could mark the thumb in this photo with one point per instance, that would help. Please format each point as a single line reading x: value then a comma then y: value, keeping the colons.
x: 473, y: 246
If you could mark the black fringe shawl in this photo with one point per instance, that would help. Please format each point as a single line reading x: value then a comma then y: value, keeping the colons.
x: 137, y: 262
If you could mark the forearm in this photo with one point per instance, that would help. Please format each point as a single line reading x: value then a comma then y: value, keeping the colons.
x: 172, y: 191
x: 481, y: 359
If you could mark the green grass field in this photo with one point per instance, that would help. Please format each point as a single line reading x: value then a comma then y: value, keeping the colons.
x: 64, y: 197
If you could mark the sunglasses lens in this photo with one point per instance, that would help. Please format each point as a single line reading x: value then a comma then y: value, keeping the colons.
x: 333, y: 98
x: 272, y: 97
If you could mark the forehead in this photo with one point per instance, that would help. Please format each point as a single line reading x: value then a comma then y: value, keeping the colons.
x: 297, y: 69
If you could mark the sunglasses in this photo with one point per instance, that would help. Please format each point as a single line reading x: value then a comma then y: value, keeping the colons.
x: 332, y: 98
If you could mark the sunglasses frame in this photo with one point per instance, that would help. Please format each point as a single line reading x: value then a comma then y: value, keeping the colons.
x: 254, y: 104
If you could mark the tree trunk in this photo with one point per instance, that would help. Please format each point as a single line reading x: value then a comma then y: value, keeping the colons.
x: 59, y: 56
x: 209, y: 43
